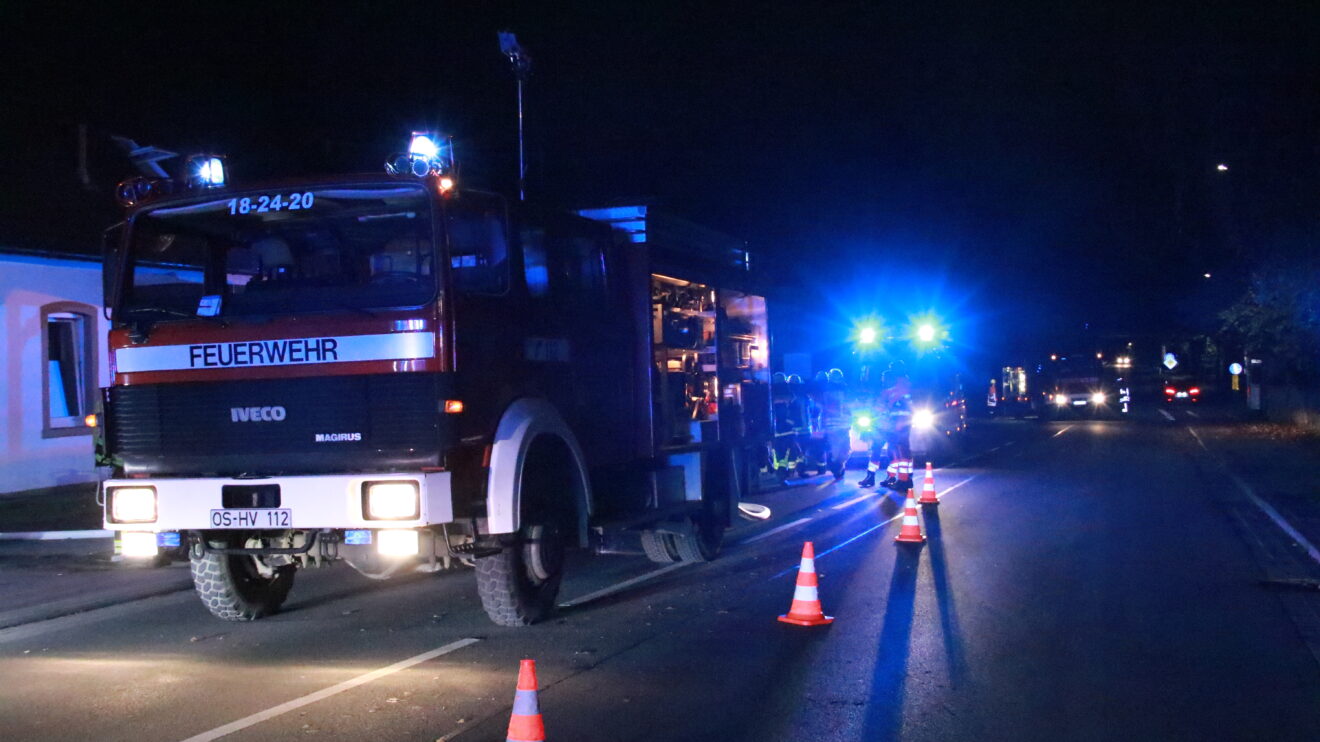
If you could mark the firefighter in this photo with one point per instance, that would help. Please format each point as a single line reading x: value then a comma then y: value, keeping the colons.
x: 814, y: 450
x: 871, y: 420
x: 835, y: 422
x: 897, y: 400
x: 784, y: 446
x: 799, y: 411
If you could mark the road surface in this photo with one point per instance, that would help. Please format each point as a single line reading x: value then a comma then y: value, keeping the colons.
x: 1083, y: 580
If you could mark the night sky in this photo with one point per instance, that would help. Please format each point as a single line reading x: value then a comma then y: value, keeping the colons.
x: 1022, y: 169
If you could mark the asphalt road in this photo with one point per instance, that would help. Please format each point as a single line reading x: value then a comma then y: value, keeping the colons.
x: 1081, y: 581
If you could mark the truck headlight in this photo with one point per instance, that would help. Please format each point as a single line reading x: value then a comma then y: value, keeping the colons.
x: 397, y: 542
x: 862, y: 422
x: 1061, y: 399
x: 391, y: 500
x: 923, y: 419
x: 132, y: 505
x: 1098, y: 398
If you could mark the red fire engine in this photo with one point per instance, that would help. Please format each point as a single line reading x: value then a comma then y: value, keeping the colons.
x: 402, y: 373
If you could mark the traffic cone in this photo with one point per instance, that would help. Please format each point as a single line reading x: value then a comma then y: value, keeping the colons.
x: 525, y: 724
x: 910, y: 533
x: 928, y: 496
x: 806, y: 610
x: 905, y: 474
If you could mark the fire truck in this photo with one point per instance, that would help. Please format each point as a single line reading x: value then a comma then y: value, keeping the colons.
x: 402, y: 373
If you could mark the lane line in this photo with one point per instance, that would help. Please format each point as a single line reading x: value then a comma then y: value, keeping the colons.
x: 622, y: 585
x: 872, y: 529
x: 1192, y: 413
x: 321, y: 695
x: 1166, y: 414
x: 54, y: 535
x: 773, y: 531
x: 1065, y: 429
x: 1265, y: 507
x: 1278, y: 519
x: 855, y: 500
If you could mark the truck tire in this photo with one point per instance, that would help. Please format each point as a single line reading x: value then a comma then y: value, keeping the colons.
x: 232, y: 589
x: 702, y: 543
x: 518, y: 586
x: 658, y: 547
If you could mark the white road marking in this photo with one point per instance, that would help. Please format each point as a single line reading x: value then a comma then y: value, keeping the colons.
x: 774, y: 530
x: 870, y: 530
x: 621, y: 585
x: 1278, y: 519
x: 1192, y: 413
x: 1065, y: 429
x: 321, y: 695
x: 1265, y: 507
x: 823, y: 485
x: 53, y: 535
x: 1010, y: 443
x: 1166, y: 414
x: 855, y: 500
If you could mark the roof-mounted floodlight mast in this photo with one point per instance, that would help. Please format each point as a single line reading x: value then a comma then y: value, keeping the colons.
x: 522, y: 66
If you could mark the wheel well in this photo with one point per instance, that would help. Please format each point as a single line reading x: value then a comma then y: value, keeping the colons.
x: 551, y: 477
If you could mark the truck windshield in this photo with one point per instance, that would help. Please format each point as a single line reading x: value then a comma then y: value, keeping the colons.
x: 282, y: 251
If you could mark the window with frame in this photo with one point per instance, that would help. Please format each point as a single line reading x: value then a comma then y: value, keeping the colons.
x: 479, y: 251
x: 68, y: 345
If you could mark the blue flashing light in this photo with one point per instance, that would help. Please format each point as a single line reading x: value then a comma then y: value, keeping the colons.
x: 357, y: 537
x: 863, y: 422
x: 867, y: 335
x: 926, y: 333
x: 424, y: 146
x: 168, y: 540
x: 210, y: 172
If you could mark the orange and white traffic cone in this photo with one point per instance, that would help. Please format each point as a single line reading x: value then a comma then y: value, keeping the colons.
x: 525, y: 724
x: 928, y: 496
x: 910, y: 533
x: 904, y: 474
x: 805, y: 610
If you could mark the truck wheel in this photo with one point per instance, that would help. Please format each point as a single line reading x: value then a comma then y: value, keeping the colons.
x: 518, y: 586
x: 658, y: 547
x: 702, y: 543
x: 234, y: 589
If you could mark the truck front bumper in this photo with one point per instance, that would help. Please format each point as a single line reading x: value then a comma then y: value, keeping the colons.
x: 293, y: 503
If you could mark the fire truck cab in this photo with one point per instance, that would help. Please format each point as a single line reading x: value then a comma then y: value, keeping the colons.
x: 402, y: 373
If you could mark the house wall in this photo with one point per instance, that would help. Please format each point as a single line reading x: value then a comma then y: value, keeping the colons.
x: 28, y: 460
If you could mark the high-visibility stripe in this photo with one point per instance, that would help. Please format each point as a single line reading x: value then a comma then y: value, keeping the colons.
x: 524, y: 703
x: 873, y: 468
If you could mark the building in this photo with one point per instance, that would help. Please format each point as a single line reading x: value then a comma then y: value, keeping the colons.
x: 52, y: 364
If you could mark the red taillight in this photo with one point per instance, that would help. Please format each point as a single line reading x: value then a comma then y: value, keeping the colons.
x: 1169, y: 391
x: 1194, y: 390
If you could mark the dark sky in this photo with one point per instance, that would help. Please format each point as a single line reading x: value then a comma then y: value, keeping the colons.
x: 1030, y: 166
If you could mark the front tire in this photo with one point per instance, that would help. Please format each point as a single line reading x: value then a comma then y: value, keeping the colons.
x: 233, y: 588
x: 518, y: 586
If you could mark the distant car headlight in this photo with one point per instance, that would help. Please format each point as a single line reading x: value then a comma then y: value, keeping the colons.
x: 132, y: 504
x: 399, y: 500
x: 923, y: 419
x: 1061, y: 399
x: 1098, y: 398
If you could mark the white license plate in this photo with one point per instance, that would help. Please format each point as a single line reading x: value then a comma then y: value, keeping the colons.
x: 252, y: 518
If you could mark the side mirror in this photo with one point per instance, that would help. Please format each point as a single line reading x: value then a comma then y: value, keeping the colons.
x: 112, y: 261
